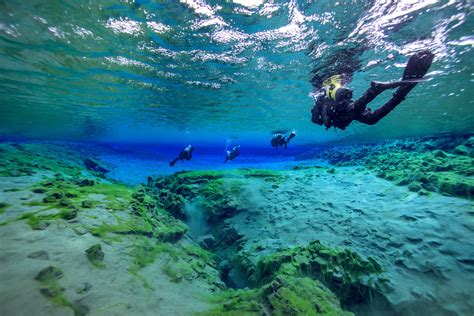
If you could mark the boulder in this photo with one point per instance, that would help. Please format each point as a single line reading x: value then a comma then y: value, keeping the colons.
x: 49, y: 273
x: 94, y: 165
x: 206, y: 241
x: 95, y: 253
x: 462, y: 150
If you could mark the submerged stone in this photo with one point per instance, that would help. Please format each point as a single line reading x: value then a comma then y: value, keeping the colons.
x: 49, y: 273
x: 206, y: 241
x: 87, y: 204
x: 69, y: 214
x: 462, y: 150
x: 86, y: 182
x: 94, y: 165
x: 95, y: 253
x: 84, y: 288
x: 42, y: 225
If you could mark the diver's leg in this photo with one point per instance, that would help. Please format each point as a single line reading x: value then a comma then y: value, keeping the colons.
x: 173, y: 162
x: 416, y: 68
x: 361, y: 103
x: 371, y: 118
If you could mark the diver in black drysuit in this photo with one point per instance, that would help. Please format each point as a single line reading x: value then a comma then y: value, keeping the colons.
x: 281, y: 140
x: 186, y: 154
x: 232, y: 154
x: 339, y: 111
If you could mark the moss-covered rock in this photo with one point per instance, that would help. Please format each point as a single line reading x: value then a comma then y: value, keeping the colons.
x: 3, y: 207
x: 49, y: 273
x: 443, y: 165
x: 285, y: 295
x: 95, y: 255
x: 355, y: 280
x: 51, y: 289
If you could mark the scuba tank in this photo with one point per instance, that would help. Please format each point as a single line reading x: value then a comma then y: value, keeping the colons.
x: 335, y: 90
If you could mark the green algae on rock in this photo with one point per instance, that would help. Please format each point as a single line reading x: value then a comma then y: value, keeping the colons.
x: 352, y: 278
x: 51, y: 289
x: 96, y: 255
x: 3, y: 207
x: 443, y: 165
x: 285, y: 295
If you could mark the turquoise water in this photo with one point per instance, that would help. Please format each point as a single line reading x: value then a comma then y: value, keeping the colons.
x: 208, y: 71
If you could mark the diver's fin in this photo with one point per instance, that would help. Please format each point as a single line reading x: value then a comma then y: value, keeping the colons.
x: 418, y: 65
x: 416, y: 68
x: 173, y: 162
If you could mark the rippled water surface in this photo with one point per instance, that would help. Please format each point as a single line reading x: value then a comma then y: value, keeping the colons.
x: 189, y: 69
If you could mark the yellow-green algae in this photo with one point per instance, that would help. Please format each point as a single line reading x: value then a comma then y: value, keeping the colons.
x: 285, y: 295
x: 51, y: 289
x: 3, y: 207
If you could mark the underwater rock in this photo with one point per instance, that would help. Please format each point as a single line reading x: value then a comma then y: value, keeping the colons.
x: 462, y: 150
x: 53, y: 197
x: 94, y: 165
x: 440, y: 154
x: 69, y: 214
x: 84, y: 288
x: 354, y: 279
x: 206, y: 241
x: 49, y: 273
x: 86, y: 182
x: 87, y: 204
x: 65, y: 202
x: 79, y: 230
x: 423, y: 164
x: 42, y: 225
x: 466, y: 260
x: 79, y: 308
x: 228, y: 236
x: 39, y: 190
x: 52, y: 291
x: 173, y: 203
x: 41, y: 254
x: 95, y: 254
x: 286, y: 295
x: 415, y: 187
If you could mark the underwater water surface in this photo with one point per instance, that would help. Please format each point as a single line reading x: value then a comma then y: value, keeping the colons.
x: 139, y: 176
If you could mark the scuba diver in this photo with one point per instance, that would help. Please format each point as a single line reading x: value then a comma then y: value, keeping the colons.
x: 334, y: 107
x: 232, y: 154
x: 187, y: 154
x: 281, y: 140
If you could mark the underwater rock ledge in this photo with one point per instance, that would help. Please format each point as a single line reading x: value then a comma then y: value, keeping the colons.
x: 434, y: 164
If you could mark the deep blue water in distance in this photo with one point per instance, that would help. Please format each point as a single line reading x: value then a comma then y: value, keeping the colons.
x: 134, y: 163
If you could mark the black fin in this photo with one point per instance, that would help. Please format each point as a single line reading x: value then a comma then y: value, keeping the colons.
x: 173, y: 162
x: 418, y: 65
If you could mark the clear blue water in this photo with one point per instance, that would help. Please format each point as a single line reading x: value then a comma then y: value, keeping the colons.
x: 134, y: 163
x: 205, y: 71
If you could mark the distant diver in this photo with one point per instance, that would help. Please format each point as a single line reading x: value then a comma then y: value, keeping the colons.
x: 232, y: 154
x: 334, y: 107
x: 280, y: 140
x: 186, y: 154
